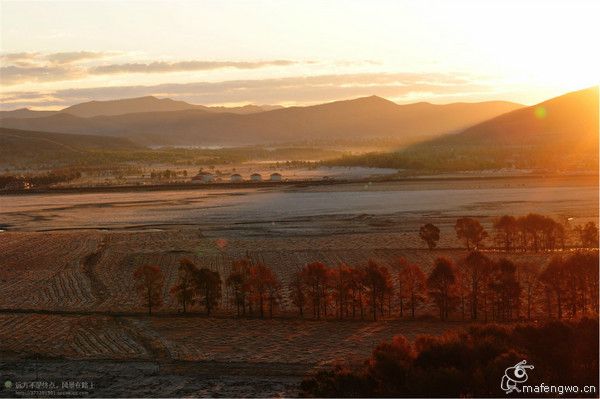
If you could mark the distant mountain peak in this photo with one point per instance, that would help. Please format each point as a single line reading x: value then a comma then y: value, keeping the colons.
x: 375, y: 98
x: 372, y: 100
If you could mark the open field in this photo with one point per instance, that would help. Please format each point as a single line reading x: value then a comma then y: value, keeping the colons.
x: 91, y: 271
x: 301, y: 210
x: 185, y: 356
x: 68, y: 302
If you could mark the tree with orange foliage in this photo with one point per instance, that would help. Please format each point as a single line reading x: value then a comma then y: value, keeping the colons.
x: 377, y: 281
x: 576, y: 270
x: 297, y: 293
x: 478, y: 269
x: 587, y: 264
x: 430, y: 234
x: 237, y: 283
x: 149, y: 285
x: 357, y: 291
x: 387, y: 294
x: 588, y: 235
x: 341, y: 278
x: 411, y: 281
x: 554, y: 280
x: 541, y: 232
x: 442, y: 283
x: 265, y: 288
x: 315, y: 276
x: 528, y: 276
x: 506, y: 291
x: 506, y: 230
x: 208, y: 286
x: 470, y: 231
x: 184, y: 290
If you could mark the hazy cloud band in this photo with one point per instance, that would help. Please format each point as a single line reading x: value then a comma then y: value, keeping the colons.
x: 265, y: 91
x: 36, y: 67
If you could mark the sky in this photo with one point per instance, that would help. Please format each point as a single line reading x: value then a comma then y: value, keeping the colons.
x: 54, y: 54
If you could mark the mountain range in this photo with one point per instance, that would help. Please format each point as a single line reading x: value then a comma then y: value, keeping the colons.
x: 571, y: 118
x: 152, y: 121
x: 132, y: 105
x: 558, y: 134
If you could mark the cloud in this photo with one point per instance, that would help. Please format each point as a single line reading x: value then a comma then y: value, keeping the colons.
x: 14, y: 74
x: 37, y: 67
x: 54, y: 58
x: 296, y: 89
x: 157, y: 67
x: 16, y: 57
x: 74, y: 56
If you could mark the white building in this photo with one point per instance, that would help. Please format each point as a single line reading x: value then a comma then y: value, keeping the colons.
x: 255, y: 177
x: 236, y: 178
x: 203, y: 177
x: 276, y: 177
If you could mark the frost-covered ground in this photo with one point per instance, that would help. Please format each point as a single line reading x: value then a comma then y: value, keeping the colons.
x: 302, y: 209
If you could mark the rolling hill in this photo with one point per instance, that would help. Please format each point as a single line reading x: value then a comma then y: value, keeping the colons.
x: 560, y: 134
x: 568, y: 119
x: 358, y: 119
x: 23, y: 146
x: 25, y: 113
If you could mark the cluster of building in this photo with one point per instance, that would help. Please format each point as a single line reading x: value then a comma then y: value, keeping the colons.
x: 18, y: 185
x: 206, y: 177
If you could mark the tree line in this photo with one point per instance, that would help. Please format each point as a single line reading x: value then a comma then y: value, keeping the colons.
x: 46, y: 179
x: 532, y: 232
x: 475, y: 288
x: 470, y: 363
x: 478, y: 288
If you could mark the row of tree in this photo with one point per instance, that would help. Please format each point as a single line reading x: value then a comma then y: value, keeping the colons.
x: 533, y: 232
x: 482, y: 289
x: 475, y: 288
x: 194, y: 286
x: 343, y: 291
